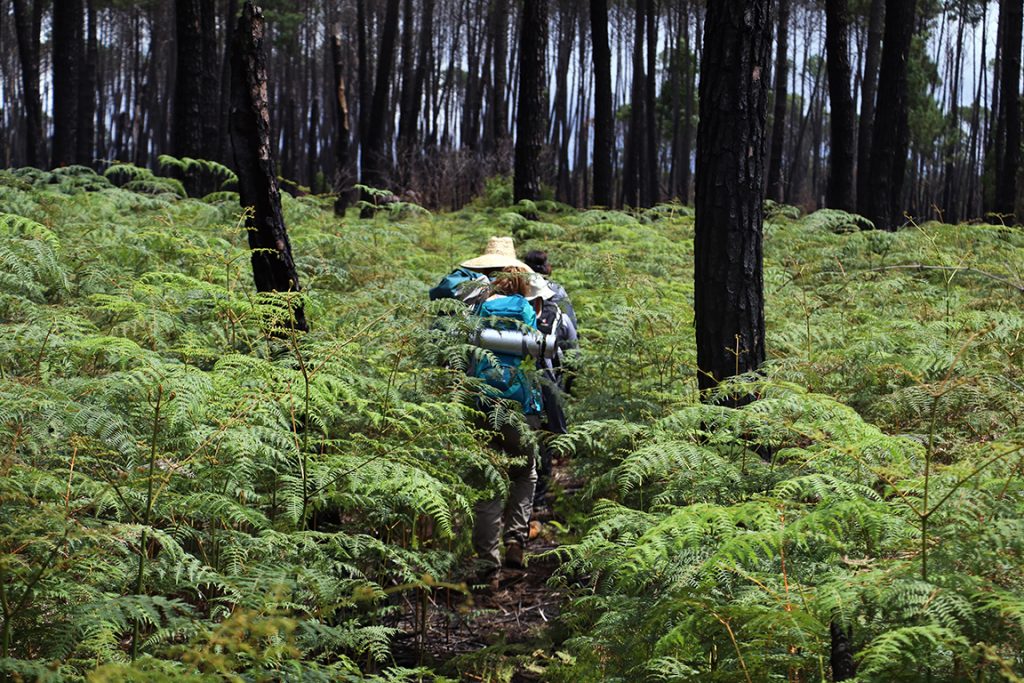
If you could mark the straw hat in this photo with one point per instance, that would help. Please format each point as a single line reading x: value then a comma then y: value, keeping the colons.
x: 538, y: 287
x: 500, y: 253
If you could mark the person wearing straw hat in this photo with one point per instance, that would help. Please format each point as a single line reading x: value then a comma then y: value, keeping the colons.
x: 499, y: 288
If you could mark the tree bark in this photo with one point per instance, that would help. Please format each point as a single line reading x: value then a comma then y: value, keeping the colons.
x: 839, y: 193
x: 273, y: 268
x: 633, y: 172
x: 603, y: 124
x: 841, y: 654
x: 27, y: 21
x: 188, y: 85
x: 888, y: 151
x: 776, y: 186
x: 532, y: 118
x: 67, y: 39
x: 728, y: 281
x: 375, y: 156
x: 499, y: 102
x: 869, y: 86
x: 650, y: 175
x: 1009, y: 108
x: 342, y: 173
x: 85, y: 144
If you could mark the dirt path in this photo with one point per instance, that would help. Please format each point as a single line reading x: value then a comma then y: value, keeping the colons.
x: 498, y: 637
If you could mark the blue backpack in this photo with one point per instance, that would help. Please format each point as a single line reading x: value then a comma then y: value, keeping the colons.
x: 456, y: 284
x: 506, y: 377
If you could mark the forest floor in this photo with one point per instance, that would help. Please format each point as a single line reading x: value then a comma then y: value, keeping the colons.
x: 504, y: 636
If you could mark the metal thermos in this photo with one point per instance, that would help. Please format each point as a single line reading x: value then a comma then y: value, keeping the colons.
x: 516, y: 343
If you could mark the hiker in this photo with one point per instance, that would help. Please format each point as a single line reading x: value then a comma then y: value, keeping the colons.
x: 557, y: 318
x: 499, y: 288
x: 508, y: 306
x: 538, y: 262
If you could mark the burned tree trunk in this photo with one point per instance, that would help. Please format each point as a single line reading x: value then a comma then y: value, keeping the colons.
x: 776, y: 186
x: 1009, y: 108
x: 604, y: 130
x: 272, y: 266
x: 533, y: 101
x: 67, y: 49
x: 839, y: 192
x: 27, y: 21
x: 341, y: 140
x: 728, y: 292
x: 867, y: 102
x: 888, y: 150
x: 85, y: 144
x: 375, y: 156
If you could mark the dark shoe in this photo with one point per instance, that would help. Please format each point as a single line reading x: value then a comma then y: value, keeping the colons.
x: 514, y: 555
x: 487, y: 582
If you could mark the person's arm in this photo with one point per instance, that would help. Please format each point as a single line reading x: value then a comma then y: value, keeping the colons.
x: 529, y: 315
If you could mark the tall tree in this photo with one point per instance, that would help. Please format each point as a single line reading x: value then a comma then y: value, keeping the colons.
x: 273, y: 267
x: 728, y: 281
x: 27, y: 22
x: 342, y: 133
x: 650, y: 176
x: 499, y: 99
x: 839, y: 192
x: 375, y: 154
x: 188, y: 91
x: 604, y: 132
x: 776, y: 186
x: 532, y: 115
x: 869, y: 86
x: 888, y: 149
x: 634, y: 168
x: 85, y: 144
x: 1010, y: 16
x: 67, y: 56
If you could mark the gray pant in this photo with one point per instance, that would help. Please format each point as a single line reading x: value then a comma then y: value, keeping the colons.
x: 513, y: 513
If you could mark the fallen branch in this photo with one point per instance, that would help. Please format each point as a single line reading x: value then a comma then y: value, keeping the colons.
x: 973, y: 271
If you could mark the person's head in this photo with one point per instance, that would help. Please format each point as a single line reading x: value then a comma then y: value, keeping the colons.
x: 538, y: 291
x: 500, y: 253
x: 512, y: 280
x: 538, y: 261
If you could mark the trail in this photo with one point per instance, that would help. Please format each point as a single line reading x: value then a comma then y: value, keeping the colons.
x: 472, y: 637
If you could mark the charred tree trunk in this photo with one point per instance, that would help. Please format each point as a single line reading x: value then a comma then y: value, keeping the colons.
x: 225, y: 82
x: 888, y: 153
x: 67, y: 52
x: 650, y: 185
x: 499, y: 102
x: 841, y: 654
x: 27, y: 22
x: 375, y: 156
x: 869, y: 86
x: 690, y: 56
x: 273, y: 268
x: 728, y: 281
x: 604, y: 132
x: 188, y: 84
x: 776, y: 186
x: 342, y: 173
x: 365, y: 87
x: 636, y: 145
x: 560, y: 130
x: 839, y: 193
x: 85, y: 144
x: 1009, y: 108
x: 210, y: 84
x: 531, y: 126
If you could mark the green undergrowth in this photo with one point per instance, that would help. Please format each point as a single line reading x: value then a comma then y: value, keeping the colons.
x: 189, y: 491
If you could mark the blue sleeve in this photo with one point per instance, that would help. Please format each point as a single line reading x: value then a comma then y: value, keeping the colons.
x: 529, y: 315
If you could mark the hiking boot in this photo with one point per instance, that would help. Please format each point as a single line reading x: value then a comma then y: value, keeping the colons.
x: 487, y: 582
x: 514, y: 555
